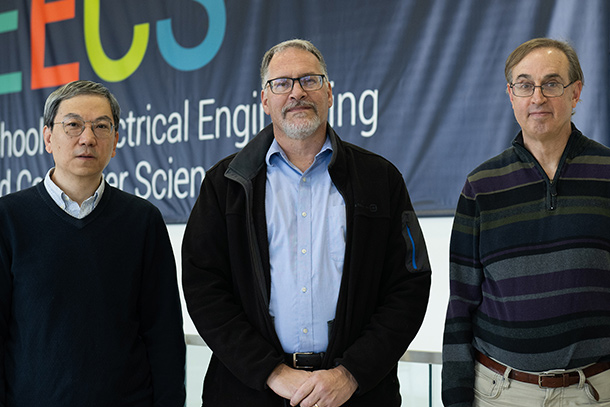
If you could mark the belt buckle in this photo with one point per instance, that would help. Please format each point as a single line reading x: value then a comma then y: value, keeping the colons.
x: 552, y: 376
x: 294, y: 360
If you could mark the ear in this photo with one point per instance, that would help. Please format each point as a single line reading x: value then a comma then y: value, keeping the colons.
x: 510, y: 95
x: 330, y: 95
x: 116, y: 140
x: 576, y: 93
x: 47, y: 139
x: 265, y: 101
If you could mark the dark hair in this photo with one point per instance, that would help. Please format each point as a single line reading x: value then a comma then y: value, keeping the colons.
x: 574, y: 71
x: 78, y: 88
x: 295, y: 43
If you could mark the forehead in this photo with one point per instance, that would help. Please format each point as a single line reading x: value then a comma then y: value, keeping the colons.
x: 293, y: 62
x: 542, y: 62
x: 85, y: 106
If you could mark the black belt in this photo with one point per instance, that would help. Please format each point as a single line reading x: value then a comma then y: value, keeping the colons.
x: 304, y: 360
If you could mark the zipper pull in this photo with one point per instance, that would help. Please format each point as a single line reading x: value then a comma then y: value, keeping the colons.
x: 553, y: 193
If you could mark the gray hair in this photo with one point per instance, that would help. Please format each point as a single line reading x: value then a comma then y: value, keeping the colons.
x: 295, y: 43
x: 78, y: 88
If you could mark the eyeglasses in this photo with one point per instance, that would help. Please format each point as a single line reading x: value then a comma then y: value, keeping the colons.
x: 550, y: 89
x: 309, y: 83
x: 74, y: 127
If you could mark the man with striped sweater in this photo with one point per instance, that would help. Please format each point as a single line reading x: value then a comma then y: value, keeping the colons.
x: 528, y: 322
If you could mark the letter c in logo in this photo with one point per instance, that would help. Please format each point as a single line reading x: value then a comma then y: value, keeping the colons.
x: 190, y: 59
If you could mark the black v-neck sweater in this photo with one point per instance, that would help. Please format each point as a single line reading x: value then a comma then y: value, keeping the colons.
x: 89, y: 308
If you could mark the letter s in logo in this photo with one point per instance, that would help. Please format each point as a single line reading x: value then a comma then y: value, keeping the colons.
x: 190, y: 59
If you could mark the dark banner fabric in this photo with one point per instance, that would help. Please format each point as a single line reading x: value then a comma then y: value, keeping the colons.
x: 420, y: 82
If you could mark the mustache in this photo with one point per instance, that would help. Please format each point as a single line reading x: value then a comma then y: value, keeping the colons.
x: 299, y: 103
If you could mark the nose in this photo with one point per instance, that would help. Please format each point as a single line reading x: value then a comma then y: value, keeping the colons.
x: 87, y: 137
x: 297, y: 91
x: 538, y: 97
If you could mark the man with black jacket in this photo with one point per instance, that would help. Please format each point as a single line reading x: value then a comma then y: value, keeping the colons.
x: 304, y: 266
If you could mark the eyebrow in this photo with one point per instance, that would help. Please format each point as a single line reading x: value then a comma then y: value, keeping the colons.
x: 76, y: 116
x: 545, y: 78
x: 300, y: 76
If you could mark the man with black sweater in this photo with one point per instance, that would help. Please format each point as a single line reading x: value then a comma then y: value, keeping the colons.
x: 89, y: 307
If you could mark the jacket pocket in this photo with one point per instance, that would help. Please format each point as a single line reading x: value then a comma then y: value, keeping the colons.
x: 417, y: 256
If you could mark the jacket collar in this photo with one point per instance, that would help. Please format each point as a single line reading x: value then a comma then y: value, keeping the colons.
x: 576, y: 143
x: 251, y: 159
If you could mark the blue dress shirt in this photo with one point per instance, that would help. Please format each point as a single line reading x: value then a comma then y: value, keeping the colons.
x: 306, y: 223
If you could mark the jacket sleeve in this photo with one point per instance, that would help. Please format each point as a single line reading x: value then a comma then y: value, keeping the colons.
x: 220, y: 289
x: 466, y: 275
x: 161, y: 316
x: 393, y: 261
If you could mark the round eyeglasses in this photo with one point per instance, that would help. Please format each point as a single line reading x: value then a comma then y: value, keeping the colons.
x: 74, y: 127
x: 550, y: 89
x: 308, y: 83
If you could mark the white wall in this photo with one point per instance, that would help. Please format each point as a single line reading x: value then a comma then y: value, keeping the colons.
x: 436, y: 232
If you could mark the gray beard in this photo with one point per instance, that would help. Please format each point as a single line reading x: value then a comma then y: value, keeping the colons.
x: 301, y: 130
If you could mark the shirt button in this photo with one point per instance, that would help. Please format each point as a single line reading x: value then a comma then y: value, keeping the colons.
x: 304, y: 179
x: 305, y: 330
x: 303, y: 214
x: 304, y: 251
x: 304, y: 289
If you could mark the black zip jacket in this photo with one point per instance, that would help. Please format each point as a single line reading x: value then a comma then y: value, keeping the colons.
x: 226, y: 278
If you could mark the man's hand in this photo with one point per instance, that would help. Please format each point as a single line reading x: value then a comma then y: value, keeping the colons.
x: 285, y: 381
x: 326, y: 388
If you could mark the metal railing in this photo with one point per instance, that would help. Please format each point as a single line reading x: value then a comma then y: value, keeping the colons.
x: 412, y: 356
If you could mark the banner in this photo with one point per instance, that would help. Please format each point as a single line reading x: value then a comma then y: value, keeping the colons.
x: 420, y: 82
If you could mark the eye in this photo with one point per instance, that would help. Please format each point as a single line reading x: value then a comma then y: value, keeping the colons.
x: 309, y: 80
x: 553, y: 85
x: 523, y: 86
x: 281, y: 83
x: 103, y: 125
x: 73, y: 124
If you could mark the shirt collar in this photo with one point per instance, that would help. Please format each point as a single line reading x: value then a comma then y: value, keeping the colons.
x: 64, y: 201
x: 276, y: 150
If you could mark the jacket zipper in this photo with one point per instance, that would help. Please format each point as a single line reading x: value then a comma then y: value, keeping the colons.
x: 551, y: 184
x: 552, y: 195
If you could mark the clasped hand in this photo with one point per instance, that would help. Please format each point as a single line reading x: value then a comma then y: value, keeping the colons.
x: 326, y: 388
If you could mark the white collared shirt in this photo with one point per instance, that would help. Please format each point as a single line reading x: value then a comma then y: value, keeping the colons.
x: 71, y: 207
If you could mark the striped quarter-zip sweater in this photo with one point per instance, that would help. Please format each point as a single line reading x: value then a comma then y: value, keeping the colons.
x: 530, y: 265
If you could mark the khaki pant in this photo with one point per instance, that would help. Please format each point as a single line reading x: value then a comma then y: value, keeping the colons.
x: 495, y: 390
